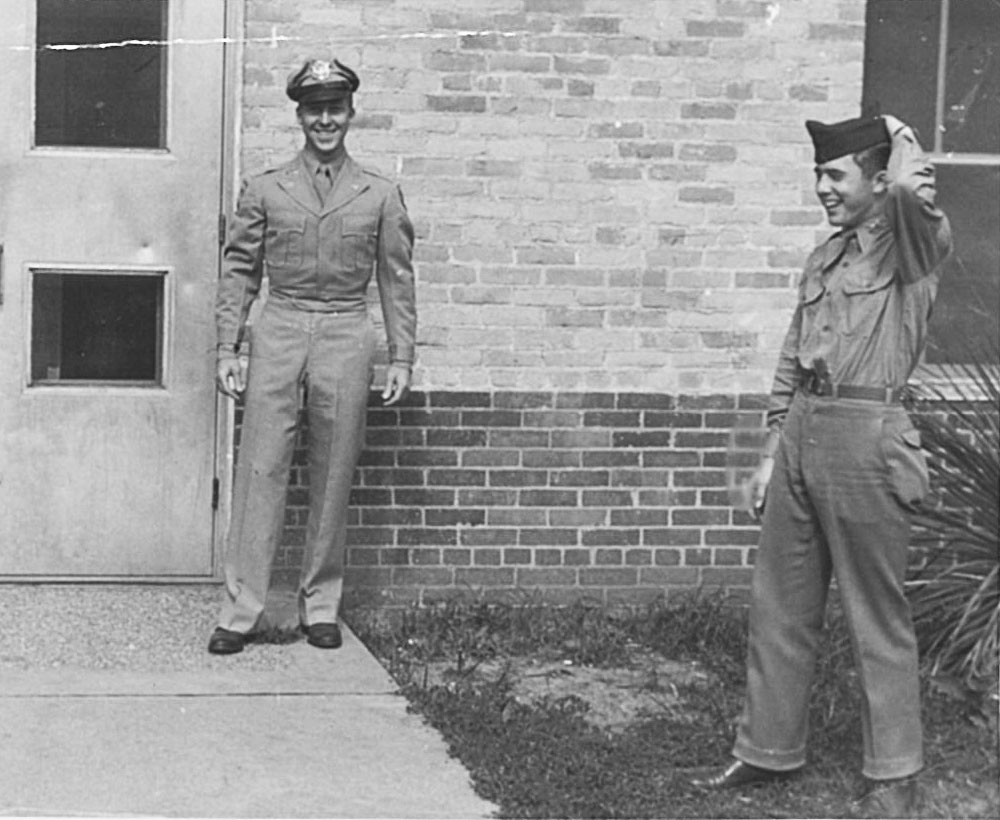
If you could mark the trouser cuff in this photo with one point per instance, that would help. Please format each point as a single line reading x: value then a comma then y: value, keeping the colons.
x: 894, y: 769
x: 772, y: 759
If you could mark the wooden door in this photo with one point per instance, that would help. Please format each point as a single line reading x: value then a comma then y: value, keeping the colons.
x: 110, y: 169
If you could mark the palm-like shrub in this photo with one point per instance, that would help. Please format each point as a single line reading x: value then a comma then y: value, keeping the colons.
x: 954, y: 586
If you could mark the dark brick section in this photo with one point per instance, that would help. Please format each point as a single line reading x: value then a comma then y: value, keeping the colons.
x: 569, y: 495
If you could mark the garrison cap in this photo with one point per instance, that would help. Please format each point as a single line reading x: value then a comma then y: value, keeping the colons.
x: 320, y: 80
x: 846, y: 137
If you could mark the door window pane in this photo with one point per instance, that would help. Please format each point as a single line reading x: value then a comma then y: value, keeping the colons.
x: 96, y: 327
x: 101, y: 73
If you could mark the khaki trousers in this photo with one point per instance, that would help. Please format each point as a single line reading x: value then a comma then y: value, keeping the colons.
x: 846, y: 475
x: 330, y: 355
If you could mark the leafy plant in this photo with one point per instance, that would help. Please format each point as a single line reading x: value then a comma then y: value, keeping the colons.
x: 954, y: 587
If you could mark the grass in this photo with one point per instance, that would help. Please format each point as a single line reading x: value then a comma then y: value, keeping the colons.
x: 544, y: 759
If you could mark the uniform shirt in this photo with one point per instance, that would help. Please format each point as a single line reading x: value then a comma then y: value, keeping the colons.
x: 865, y: 297
x: 319, y: 255
x: 317, y: 170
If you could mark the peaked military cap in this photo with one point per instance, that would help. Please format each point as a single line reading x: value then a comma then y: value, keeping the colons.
x: 319, y: 80
x: 846, y: 137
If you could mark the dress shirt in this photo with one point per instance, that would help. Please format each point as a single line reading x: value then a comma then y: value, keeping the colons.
x: 865, y: 297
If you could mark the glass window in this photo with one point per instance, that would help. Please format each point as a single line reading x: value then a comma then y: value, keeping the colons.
x: 969, y: 295
x: 901, y: 55
x: 96, y: 327
x: 972, y: 78
x: 101, y: 73
x: 936, y: 65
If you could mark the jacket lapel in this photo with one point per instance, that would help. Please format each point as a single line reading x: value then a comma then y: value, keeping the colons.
x: 350, y: 183
x: 295, y: 182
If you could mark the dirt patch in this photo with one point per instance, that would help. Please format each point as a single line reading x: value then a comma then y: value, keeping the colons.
x: 646, y: 685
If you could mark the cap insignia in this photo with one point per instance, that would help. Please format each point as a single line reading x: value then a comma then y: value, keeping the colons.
x: 321, y: 70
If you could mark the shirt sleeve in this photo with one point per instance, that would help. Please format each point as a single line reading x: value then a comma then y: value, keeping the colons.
x: 785, y: 381
x: 242, y: 268
x: 923, y: 235
x: 394, y: 274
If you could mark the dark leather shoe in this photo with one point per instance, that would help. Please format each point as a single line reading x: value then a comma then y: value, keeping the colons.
x: 740, y: 774
x: 889, y: 798
x: 324, y: 635
x: 226, y: 642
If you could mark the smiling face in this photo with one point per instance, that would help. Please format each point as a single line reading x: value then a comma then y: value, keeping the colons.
x: 325, y: 124
x: 846, y: 193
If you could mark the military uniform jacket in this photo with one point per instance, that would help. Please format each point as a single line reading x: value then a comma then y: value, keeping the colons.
x: 320, y: 255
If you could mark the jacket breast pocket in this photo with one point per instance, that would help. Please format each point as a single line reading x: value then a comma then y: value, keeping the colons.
x: 283, y: 245
x: 360, y: 233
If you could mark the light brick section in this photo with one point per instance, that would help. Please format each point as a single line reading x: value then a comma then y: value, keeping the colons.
x: 609, y: 196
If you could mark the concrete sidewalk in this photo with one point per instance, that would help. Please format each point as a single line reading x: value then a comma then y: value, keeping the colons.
x: 281, y: 731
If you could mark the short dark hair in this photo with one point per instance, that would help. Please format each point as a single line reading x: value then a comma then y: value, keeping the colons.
x: 874, y: 159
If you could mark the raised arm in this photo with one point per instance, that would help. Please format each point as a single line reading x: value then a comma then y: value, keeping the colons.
x: 922, y: 231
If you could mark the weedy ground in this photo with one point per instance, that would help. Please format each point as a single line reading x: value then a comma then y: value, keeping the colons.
x: 587, y: 712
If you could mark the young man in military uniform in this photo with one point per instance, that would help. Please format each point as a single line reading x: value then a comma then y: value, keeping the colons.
x: 843, y: 469
x: 317, y: 227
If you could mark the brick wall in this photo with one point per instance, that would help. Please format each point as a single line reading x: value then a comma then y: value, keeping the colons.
x: 614, y: 496
x: 613, y: 200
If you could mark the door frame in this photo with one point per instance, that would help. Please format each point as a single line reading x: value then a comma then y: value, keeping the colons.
x: 232, y: 121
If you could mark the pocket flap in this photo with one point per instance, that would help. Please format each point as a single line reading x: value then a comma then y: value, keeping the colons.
x: 912, y: 437
x: 812, y: 289
x: 361, y: 224
x: 867, y: 280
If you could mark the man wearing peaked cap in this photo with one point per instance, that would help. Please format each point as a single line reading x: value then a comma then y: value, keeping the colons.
x: 843, y: 472
x: 318, y: 227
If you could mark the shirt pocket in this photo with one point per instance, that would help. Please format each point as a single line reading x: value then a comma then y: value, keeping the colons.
x: 283, y: 245
x: 359, y: 233
x: 865, y: 289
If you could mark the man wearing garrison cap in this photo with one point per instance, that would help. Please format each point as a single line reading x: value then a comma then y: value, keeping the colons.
x: 317, y: 227
x: 843, y: 469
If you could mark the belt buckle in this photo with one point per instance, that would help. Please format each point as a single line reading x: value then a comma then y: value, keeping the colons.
x: 816, y: 384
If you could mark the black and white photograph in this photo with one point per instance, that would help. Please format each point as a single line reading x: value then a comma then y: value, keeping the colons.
x: 500, y: 408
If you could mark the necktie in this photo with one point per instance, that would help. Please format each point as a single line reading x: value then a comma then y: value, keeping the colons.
x: 324, y: 180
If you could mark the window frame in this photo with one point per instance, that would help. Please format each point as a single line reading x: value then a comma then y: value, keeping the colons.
x: 937, y: 153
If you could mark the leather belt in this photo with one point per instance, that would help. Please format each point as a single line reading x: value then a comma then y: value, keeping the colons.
x: 810, y: 382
